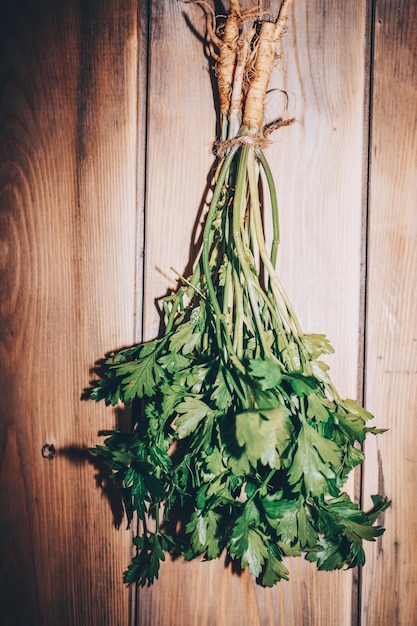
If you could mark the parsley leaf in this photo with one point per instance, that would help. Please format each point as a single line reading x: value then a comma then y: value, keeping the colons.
x: 275, y: 569
x: 144, y: 568
x: 265, y: 435
x: 247, y: 542
x: 204, y: 529
x: 266, y: 371
x: 139, y: 378
x: 316, y: 461
x: 192, y: 410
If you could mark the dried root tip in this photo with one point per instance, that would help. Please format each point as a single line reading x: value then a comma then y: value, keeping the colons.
x: 213, y: 40
x: 273, y: 126
x: 227, y: 58
x: 243, y: 53
x: 264, y: 63
x: 282, y: 18
x: 232, y: 59
x: 254, y: 108
x: 234, y: 7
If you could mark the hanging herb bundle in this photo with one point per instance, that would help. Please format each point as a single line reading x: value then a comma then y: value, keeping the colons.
x: 240, y: 443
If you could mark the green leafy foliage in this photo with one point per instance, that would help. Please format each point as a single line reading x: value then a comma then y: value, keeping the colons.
x: 275, y: 569
x: 252, y: 458
x: 265, y: 435
x: 204, y: 531
x: 315, y: 462
x: 192, y: 410
x: 240, y: 442
x: 247, y: 541
x: 144, y: 568
x: 345, y: 527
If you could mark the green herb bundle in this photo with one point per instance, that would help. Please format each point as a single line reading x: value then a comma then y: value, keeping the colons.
x: 240, y: 441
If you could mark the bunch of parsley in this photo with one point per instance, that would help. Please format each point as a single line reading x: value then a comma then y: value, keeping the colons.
x: 240, y: 441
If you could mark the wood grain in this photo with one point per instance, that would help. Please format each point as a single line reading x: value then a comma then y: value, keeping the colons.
x: 106, y: 147
x: 67, y: 232
x: 318, y: 167
x: 318, y: 164
x: 389, y: 581
x: 180, y: 109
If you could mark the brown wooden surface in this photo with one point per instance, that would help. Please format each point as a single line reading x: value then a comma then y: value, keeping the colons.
x: 323, y: 74
x: 389, y: 582
x: 92, y: 133
x: 67, y: 239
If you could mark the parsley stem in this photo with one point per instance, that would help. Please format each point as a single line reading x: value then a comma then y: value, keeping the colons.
x: 242, y: 254
x: 277, y: 288
x: 219, y: 318
x: 263, y: 484
x: 274, y: 205
x: 239, y: 315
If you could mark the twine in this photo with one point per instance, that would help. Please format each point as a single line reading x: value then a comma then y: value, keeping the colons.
x: 260, y: 141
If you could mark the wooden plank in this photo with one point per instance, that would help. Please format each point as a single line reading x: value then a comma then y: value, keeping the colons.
x: 141, y: 133
x: 181, y: 130
x: 389, y: 581
x: 67, y: 241
x: 318, y: 164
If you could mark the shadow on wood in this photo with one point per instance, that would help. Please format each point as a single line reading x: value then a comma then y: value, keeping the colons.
x: 78, y: 455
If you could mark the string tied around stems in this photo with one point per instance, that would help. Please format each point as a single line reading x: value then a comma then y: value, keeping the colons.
x: 260, y: 140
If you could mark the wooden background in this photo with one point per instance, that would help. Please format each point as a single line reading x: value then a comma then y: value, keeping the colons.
x: 106, y: 128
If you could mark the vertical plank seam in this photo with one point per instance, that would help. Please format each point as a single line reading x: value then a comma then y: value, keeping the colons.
x: 144, y: 9
x: 143, y: 29
x: 370, y: 10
